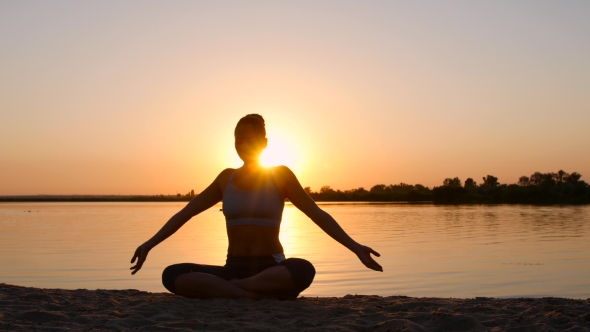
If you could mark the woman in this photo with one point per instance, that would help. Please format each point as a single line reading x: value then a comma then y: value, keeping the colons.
x: 253, y: 199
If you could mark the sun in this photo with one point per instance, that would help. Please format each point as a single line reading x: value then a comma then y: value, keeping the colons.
x: 279, y: 151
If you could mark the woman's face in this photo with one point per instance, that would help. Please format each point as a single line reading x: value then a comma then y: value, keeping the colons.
x: 249, y: 143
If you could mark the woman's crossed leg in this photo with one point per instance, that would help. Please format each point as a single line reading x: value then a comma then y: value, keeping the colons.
x: 284, y: 280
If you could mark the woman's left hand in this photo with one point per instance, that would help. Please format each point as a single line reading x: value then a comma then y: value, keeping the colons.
x: 364, y: 254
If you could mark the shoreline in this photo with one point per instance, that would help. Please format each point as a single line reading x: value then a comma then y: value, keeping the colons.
x: 28, y: 308
x: 116, y: 199
x: 150, y: 199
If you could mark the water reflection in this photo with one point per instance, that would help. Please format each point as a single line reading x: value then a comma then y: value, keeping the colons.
x: 459, y: 251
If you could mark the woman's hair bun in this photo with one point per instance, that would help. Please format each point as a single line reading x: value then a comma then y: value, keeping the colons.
x: 256, y: 121
x: 255, y: 116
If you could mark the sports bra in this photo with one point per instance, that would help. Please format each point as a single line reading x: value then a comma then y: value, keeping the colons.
x: 262, y: 206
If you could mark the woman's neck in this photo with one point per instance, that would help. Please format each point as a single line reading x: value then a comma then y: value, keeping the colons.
x: 252, y: 166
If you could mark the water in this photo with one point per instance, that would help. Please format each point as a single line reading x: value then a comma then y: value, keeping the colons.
x: 426, y: 250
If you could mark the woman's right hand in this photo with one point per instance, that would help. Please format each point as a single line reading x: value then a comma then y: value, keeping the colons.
x: 140, y: 254
x: 364, y: 254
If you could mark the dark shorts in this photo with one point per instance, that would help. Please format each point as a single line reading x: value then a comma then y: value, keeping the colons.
x: 302, y: 271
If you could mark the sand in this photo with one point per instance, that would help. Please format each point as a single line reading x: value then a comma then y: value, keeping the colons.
x: 36, y: 309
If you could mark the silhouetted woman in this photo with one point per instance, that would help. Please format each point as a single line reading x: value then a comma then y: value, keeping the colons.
x: 253, y: 199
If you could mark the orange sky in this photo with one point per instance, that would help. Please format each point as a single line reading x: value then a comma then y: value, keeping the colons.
x: 142, y: 97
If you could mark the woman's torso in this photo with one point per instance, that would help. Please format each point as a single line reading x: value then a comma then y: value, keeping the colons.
x: 253, y: 197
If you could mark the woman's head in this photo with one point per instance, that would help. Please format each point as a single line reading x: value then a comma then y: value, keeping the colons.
x: 250, y: 137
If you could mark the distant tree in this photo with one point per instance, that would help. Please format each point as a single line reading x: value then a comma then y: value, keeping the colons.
x: 543, y: 179
x: 561, y: 175
x: 378, y: 189
x: 401, y: 185
x: 470, y: 184
x: 395, y: 189
x: 451, y: 192
x: 536, y: 179
x: 326, y: 190
x: 307, y: 190
x: 420, y: 187
x: 448, y: 182
x: 490, y: 181
x: 524, y: 181
x: 573, y: 178
x: 359, y: 191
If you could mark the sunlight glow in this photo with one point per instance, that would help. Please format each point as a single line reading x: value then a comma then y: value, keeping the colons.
x: 280, y: 150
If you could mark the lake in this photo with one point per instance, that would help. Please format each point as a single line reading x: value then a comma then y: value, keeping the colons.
x: 426, y: 250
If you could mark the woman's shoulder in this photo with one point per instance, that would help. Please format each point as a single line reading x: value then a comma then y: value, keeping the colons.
x: 223, y: 177
x: 283, y: 174
x: 226, y: 173
x: 280, y: 168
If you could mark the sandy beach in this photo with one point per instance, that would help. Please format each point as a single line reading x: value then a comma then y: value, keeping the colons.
x: 36, y: 309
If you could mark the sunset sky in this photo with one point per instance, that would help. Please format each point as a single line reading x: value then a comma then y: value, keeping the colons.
x: 141, y: 97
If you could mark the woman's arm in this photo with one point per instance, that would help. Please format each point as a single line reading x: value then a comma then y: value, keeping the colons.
x: 209, y: 197
x: 295, y: 193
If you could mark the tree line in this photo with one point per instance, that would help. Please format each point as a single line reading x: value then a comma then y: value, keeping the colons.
x: 539, y: 188
x: 101, y: 198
